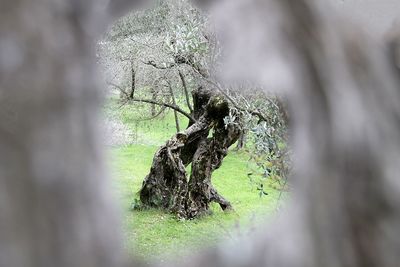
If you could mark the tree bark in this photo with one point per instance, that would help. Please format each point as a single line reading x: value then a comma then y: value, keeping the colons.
x: 208, y: 157
x: 133, y: 81
x: 166, y: 186
x: 56, y: 208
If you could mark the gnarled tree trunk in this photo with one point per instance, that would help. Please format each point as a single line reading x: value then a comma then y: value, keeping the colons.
x: 208, y: 157
x: 167, y: 185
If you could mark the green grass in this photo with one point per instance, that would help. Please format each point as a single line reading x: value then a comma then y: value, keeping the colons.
x: 154, y: 234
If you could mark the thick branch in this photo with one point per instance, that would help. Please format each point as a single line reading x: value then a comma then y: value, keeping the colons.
x: 171, y: 106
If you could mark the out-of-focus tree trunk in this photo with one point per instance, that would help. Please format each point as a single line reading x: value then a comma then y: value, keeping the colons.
x: 345, y: 131
x: 55, y: 204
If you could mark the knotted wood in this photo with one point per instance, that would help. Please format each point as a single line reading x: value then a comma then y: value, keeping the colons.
x: 167, y: 185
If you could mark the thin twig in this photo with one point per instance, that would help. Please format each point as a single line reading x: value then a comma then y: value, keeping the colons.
x: 185, y: 90
x: 152, y: 63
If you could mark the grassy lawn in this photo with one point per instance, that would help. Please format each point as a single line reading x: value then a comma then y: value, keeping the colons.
x: 154, y: 234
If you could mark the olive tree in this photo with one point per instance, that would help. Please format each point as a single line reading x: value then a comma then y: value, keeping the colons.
x: 55, y: 204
